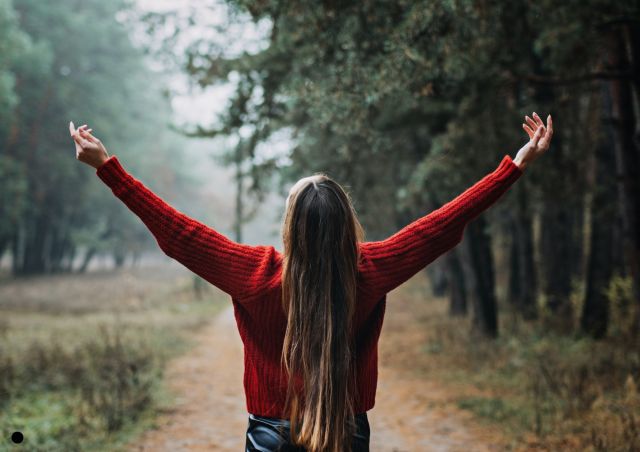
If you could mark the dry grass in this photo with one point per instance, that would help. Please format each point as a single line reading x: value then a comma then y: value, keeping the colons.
x: 546, y: 392
x: 82, y: 356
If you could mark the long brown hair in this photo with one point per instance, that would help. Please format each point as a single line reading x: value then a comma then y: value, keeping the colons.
x: 321, y: 233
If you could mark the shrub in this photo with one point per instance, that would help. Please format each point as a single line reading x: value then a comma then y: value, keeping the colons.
x: 623, y: 308
x: 118, y: 379
x: 102, y: 382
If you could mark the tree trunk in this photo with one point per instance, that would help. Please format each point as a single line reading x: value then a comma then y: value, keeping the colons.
x: 4, y: 244
x: 595, y: 311
x: 624, y: 43
x: 439, y: 278
x: 119, y: 257
x: 458, y: 292
x: 88, y: 256
x: 70, y: 257
x: 60, y: 244
x: 523, y: 280
x: 479, y: 273
x: 556, y: 257
x: 239, y: 194
x: 16, y: 249
x: 557, y: 250
x: 35, y: 243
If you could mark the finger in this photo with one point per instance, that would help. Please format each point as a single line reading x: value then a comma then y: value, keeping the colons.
x: 537, y: 119
x: 536, y: 136
x: 86, y: 134
x: 72, y: 129
x: 78, y: 139
x: 532, y: 123
x: 546, y: 140
x: 550, y: 125
x: 81, y: 141
x: 528, y: 129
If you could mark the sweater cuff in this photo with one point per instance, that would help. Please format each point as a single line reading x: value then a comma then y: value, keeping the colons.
x: 111, y: 172
x: 507, y: 169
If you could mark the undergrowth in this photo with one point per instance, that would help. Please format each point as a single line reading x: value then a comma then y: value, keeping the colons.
x: 546, y: 391
x: 90, y: 381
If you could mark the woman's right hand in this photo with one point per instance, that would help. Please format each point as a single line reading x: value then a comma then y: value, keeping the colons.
x: 539, y: 140
x: 89, y: 149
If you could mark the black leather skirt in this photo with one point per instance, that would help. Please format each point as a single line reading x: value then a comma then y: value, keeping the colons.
x: 268, y: 434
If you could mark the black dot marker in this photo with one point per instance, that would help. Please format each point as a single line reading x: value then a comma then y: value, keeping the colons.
x: 17, y: 437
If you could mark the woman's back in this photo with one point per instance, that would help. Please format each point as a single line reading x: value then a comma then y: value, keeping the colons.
x: 262, y: 324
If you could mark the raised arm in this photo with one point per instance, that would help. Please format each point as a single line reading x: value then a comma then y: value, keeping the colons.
x: 386, y: 264
x: 235, y: 268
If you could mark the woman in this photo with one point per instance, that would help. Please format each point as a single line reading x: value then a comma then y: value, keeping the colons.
x: 315, y: 311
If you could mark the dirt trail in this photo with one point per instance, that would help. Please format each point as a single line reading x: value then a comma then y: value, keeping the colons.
x: 210, y: 413
x: 410, y: 414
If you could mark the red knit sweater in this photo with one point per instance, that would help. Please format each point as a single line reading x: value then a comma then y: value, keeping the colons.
x: 251, y: 275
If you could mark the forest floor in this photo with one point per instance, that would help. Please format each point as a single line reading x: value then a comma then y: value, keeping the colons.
x: 412, y: 413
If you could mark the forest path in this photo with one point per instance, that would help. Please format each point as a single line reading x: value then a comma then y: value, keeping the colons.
x: 410, y: 414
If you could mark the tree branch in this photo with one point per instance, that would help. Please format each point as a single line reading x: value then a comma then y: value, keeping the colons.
x: 554, y: 80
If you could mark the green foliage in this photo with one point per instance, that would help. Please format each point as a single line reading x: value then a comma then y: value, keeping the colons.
x: 58, y: 395
x: 12, y: 42
x: 73, y: 62
x: 47, y: 417
x: 496, y: 409
x: 623, y: 308
x: 409, y: 102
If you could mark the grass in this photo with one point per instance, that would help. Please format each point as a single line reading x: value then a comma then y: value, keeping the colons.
x: 544, y: 391
x: 82, y: 356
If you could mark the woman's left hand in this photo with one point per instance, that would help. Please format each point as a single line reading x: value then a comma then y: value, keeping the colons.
x: 89, y: 149
x: 539, y: 140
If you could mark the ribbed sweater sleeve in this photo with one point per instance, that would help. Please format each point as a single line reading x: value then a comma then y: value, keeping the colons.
x: 232, y: 267
x: 388, y: 263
